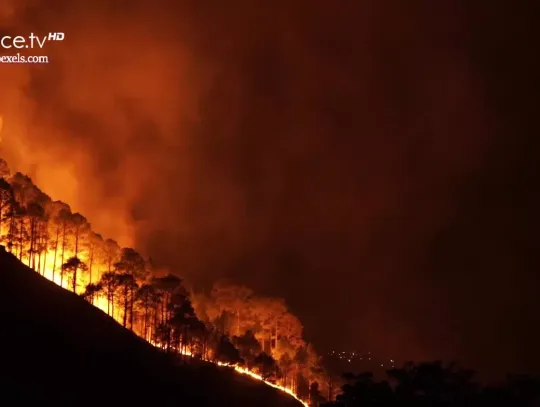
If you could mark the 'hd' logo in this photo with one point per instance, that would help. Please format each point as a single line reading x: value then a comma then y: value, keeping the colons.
x: 56, y: 36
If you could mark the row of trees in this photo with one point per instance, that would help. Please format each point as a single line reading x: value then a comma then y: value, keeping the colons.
x: 48, y: 236
x: 435, y: 385
x: 230, y: 324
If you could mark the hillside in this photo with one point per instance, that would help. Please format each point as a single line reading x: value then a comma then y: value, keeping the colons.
x: 57, y: 348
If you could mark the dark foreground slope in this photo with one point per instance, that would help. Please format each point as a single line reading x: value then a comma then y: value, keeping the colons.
x: 57, y: 349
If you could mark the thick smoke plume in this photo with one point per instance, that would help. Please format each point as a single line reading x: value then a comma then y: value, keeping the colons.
x: 319, y: 153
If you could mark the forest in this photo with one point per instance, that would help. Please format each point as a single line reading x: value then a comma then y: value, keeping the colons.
x: 228, y: 325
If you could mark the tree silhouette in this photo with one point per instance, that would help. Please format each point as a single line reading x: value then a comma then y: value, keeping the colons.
x: 95, y: 250
x: 226, y: 352
x: 183, y: 319
x: 127, y: 286
x: 91, y: 291
x: 130, y: 268
x: 36, y: 214
x: 148, y: 300
x: 167, y: 286
x: 266, y: 365
x: 6, y: 200
x: 72, y: 266
x: 64, y: 217
x: 249, y: 347
x: 79, y: 227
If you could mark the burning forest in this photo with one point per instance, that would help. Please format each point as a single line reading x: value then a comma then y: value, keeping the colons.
x: 229, y: 325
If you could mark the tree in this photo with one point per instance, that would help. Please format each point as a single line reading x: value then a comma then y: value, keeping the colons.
x: 109, y: 282
x: 184, y: 323
x: 64, y: 217
x: 36, y: 214
x: 290, y: 328
x: 12, y: 213
x: 226, y: 352
x: 146, y: 295
x: 6, y: 200
x: 95, y: 251
x: 201, y: 335
x: 167, y: 286
x: 267, y: 314
x: 55, y: 226
x: 231, y: 298
x: 21, y: 229
x: 111, y: 253
x: 72, y: 266
x: 79, y: 228
x: 286, y: 367
x: 32, y: 202
x: 163, y: 336
x: 248, y: 346
x: 284, y: 354
x: 131, y: 263
x: 315, y: 395
x: 130, y: 268
x: 127, y: 285
x: 91, y: 291
x: 266, y: 365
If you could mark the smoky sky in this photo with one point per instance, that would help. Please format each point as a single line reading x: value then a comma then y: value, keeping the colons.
x: 374, y: 163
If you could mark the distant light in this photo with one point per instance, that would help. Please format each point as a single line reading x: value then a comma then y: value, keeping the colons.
x: 382, y: 365
x: 349, y: 360
x: 369, y: 359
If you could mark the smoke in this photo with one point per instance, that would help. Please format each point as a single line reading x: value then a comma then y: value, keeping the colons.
x: 319, y: 153
x: 93, y: 126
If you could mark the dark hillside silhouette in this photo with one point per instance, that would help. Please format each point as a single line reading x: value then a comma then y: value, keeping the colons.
x: 57, y: 349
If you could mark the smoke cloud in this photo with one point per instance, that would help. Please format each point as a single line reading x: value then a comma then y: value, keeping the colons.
x: 325, y: 154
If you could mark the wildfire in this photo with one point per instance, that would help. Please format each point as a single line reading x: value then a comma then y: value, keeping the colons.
x: 101, y: 302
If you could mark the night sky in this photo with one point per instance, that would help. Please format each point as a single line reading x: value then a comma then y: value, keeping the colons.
x: 375, y: 163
